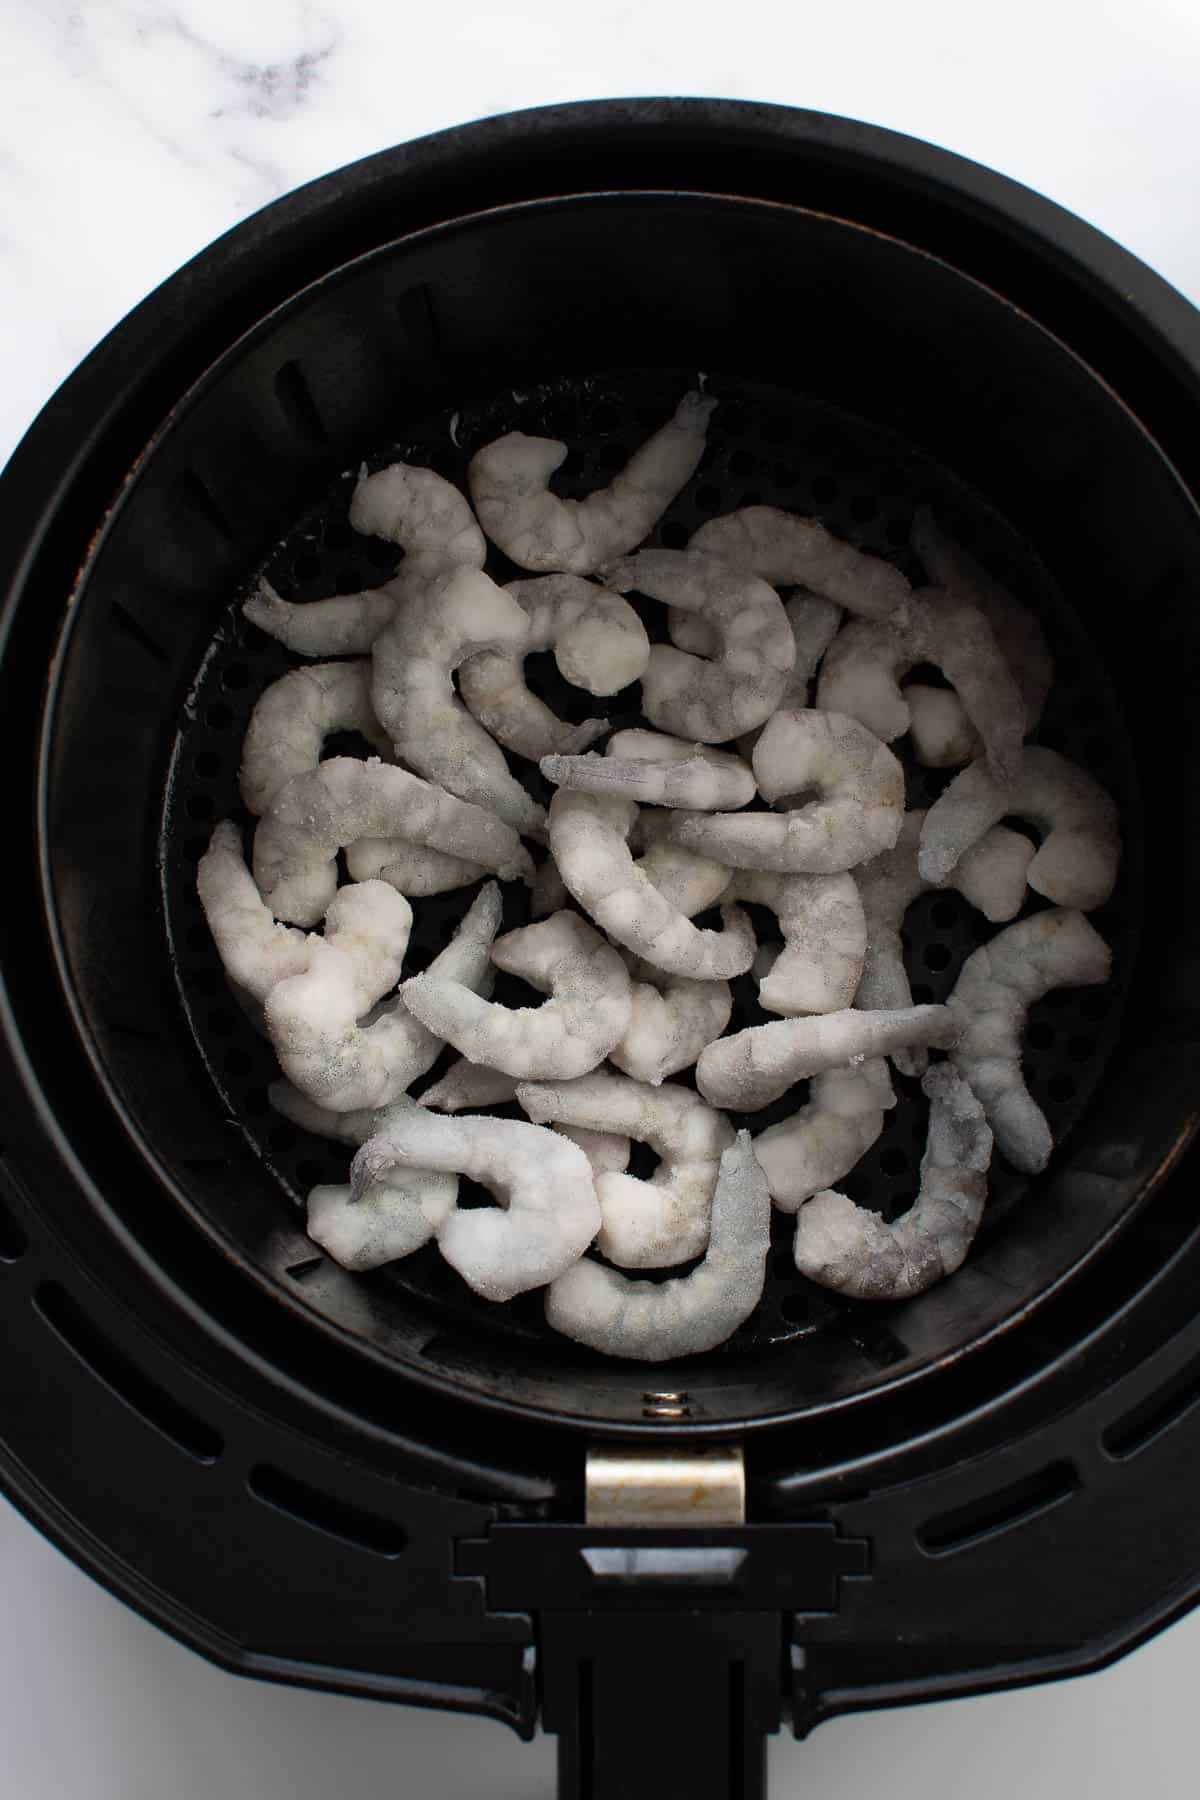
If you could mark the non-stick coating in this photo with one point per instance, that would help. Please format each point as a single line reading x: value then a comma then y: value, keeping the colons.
x: 766, y: 445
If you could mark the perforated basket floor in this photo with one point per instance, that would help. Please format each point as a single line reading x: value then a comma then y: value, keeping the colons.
x: 765, y: 446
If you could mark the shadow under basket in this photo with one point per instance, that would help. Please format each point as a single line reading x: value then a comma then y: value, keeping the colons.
x: 883, y: 327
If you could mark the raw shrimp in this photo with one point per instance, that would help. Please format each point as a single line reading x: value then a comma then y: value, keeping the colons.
x: 606, y: 1151
x: 587, y: 838
x: 858, y: 813
x: 342, y: 625
x: 424, y: 515
x: 688, y: 695
x: 392, y: 1217
x: 343, y: 800
x: 991, y: 876
x: 413, y: 690
x: 292, y: 719
x: 853, y: 1251
x: 599, y: 643
x: 568, y: 1036
x: 940, y: 732
x: 995, y: 989
x: 863, y: 667
x: 824, y: 1139
x: 814, y: 624
x: 656, y: 770
x: 333, y: 1046
x: 690, y: 883
x: 790, y: 551
x: 755, y: 1066
x: 646, y: 1224
x: 1014, y: 627
x: 671, y: 1020
x: 657, y: 1321
x: 1076, y: 865
x: 550, y: 1215
x: 824, y: 938
x: 412, y: 869
x: 255, y: 951
x: 509, y: 483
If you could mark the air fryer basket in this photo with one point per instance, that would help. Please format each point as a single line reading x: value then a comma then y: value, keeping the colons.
x: 882, y: 326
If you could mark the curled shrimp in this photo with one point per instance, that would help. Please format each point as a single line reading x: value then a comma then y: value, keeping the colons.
x: 292, y: 719
x: 330, y: 1042
x: 509, y: 483
x: 671, y: 1019
x: 814, y: 624
x: 991, y: 876
x: 824, y: 1139
x: 412, y: 869
x: 586, y: 1016
x: 1076, y: 865
x: 688, y: 695
x: 413, y: 508
x: 790, y: 551
x: 942, y: 734
x: 599, y: 643
x: 343, y: 800
x: 824, y: 938
x: 588, y: 834
x: 858, y: 812
x: 607, y: 1151
x: 753, y: 1067
x: 657, y: 1321
x: 645, y: 1224
x: 689, y: 882
x: 255, y: 951
x: 467, y: 1086
x: 862, y: 671
x: 413, y: 690
x: 995, y: 989
x: 853, y: 1251
x: 657, y: 770
x: 550, y: 1214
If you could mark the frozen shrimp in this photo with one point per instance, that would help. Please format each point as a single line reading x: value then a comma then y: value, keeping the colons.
x: 586, y: 1017
x: 606, y: 1151
x: 671, y: 1019
x: 550, y: 1212
x: 1014, y: 626
x: 1076, y: 865
x: 599, y: 644
x: 424, y: 515
x: 331, y: 1043
x: 467, y: 1085
x: 858, y: 812
x: 991, y: 876
x: 790, y: 551
x: 940, y: 732
x: 412, y: 690
x: 665, y: 1220
x: 864, y: 665
x: 995, y: 989
x: 824, y: 938
x: 691, y: 883
x: 392, y: 1217
x: 255, y: 951
x: 342, y: 625
x: 814, y: 624
x: 292, y: 719
x: 824, y: 1139
x: 412, y: 869
x: 343, y: 800
x: 509, y: 484
x: 657, y: 1321
x: 588, y: 835
x: 710, y: 701
x: 657, y: 770
x: 755, y: 1066
x: 852, y: 1250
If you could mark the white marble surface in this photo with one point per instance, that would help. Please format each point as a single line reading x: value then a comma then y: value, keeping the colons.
x: 131, y: 133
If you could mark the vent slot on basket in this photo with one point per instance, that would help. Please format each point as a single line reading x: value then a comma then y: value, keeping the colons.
x: 1154, y: 1415
x: 325, y: 1512
x: 13, y: 1242
x: 998, y: 1511
x: 123, y: 1378
x: 298, y: 407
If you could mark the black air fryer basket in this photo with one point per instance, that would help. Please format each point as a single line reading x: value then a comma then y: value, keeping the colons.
x: 379, y: 1484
